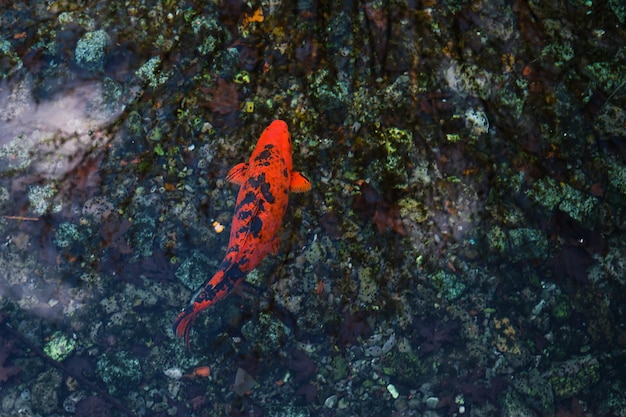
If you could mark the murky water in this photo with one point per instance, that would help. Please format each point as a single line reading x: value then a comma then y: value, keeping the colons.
x: 461, y: 250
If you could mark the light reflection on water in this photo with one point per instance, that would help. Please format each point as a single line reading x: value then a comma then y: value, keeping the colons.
x: 51, y: 151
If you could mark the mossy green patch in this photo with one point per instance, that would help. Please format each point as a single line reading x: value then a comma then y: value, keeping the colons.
x: 59, y: 346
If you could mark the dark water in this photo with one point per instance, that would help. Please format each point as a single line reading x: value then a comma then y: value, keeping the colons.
x: 461, y: 251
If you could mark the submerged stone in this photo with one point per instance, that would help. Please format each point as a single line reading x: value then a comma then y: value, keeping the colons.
x: 59, y: 346
x: 120, y: 371
x: 91, y: 50
x: 572, y: 376
x: 66, y: 234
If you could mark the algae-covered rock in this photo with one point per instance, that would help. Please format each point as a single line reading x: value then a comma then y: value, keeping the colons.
x: 41, y: 199
x: 527, y: 244
x: 403, y: 367
x: 194, y: 270
x: 66, y: 234
x: 120, y: 371
x: 288, y: 411
x: 513, y: 406
x: 570, y: 377
x: 450, y: 285
x: 549, y: 194
x: 45, y: 392
x: 59, y: 346
x: 266, y: 333
x: 91, y: 50
x: 536, y: 391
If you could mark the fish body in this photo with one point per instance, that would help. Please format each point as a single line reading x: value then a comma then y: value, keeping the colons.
x: 265, y: 182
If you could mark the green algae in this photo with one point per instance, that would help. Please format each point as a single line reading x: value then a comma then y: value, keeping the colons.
x: 91, y: 50
x: 151, y: 72
x: 527, y: 244
x: 59, y: 347
x: 46, y: 391
x: 329, y: 95
x: 195, y: 270
x: 496, y: 239
x: 413, y: 210
x: 619, y: 9
x: 42, y: 199
x: 562, y: 309
x: 288, y: 411
x: 404, y: 367
x: 11, y: 62
x: 572, y: 376
x: 617, y: 176
x: 66, y: 234
x: 266, y: 333
x: 536, y: 391
x: 120, y: 371
x: 607, y: 75
x: 339, y: 368
x: 450, y: 286
x: 368, y: 287
x: 549, y: 194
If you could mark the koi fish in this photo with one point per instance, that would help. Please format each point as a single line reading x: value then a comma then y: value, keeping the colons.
x: 265, y: 180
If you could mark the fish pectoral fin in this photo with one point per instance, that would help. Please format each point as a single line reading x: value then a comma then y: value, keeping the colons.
x: 238, y: 173
x: 299, y: 183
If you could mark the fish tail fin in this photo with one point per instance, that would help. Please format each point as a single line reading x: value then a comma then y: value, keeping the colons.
x: 182, y: 324
x: 212, y: 291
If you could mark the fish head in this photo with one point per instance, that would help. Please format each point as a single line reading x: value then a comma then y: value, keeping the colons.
x: 277, y: 134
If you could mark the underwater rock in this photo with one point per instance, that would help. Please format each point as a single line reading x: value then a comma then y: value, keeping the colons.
x: 59, y: 347
x: 45, y: 392
x: 570, y: 377
x: 120, y: 371
x: 91, y: 50
x: 66, y: 234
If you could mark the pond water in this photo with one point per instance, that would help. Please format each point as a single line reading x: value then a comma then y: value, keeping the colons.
x: 461, y: 251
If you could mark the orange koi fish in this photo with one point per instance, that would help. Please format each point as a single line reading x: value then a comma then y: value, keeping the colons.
x: 265, y: 181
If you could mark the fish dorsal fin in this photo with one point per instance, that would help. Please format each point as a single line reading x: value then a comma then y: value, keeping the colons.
x: 299, y: 183
x: 238, y: 173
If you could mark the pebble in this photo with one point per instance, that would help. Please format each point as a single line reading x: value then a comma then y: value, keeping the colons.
x: 393, y: 391
x: 432, y: 402
x: 373, y: 351
x: 331, y: 401
x: 389, y: 344
x: 174, y: 373
x: 69, y: 404
x: 343, y: 404
x: 97, y: 207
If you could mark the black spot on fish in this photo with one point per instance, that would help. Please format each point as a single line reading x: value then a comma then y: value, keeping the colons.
x: 231, y: 249
x: 249, y: 198
x: 244, y: 214
x: 257, y: 181
x: 242, y: 231
x: 267, y: 194
x: 264, y: 156
x: 205, y: 294
x: 285, y: 173
x: 260, y: 183
x: 255, y: 227
x: 232, y: 275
